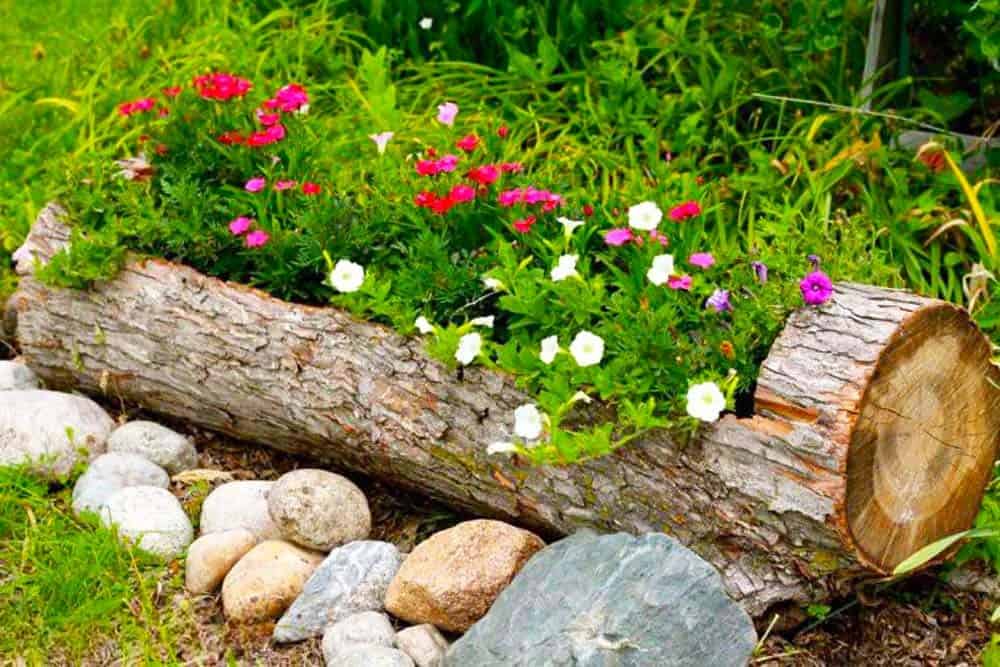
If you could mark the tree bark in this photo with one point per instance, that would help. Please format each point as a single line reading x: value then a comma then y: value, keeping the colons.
x: 875, y: 428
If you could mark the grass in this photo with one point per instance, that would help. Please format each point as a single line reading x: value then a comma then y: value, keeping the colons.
x: 70, y: 590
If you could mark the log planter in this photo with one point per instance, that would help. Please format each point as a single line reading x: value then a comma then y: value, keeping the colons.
x: 875, y: 426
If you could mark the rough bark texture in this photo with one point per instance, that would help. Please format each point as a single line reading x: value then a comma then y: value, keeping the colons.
x: 762, y: 499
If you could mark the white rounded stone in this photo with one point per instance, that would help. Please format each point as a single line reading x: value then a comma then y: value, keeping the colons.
x: 151, y: 518
x: 241, y: 504
x: 16, y: 376
x: 318, y: 509
x: 159, y: 444
x: 110, y: 473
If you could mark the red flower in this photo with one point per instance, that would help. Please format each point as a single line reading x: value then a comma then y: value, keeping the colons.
x: 511, y: 167
x: 310, y: 188
x: 427, y: 167
x: 461, y: 193
x: 484, y: 175
x: 524, y: 224
x: 468, y: 143
x: 431, y: 152
x: 425, y: 199
x: 267, y: 118
x: 290, y: 98
x: 271, y: 135
x: 137, y: 106
x: 442, y: 205
x: 171, y: 91
x: 231, y: 137
x: 503, y: 131
x: 161, y: 149
x: 588, y: 210
x: 221, y: 86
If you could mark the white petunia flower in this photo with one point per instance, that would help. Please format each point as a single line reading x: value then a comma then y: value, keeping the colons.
x: 381, y: 140
x: 569, y: 225
x: 482, y: 321
x: 426, y: 23
x: 587, y: 349
x: 501, y: 448
x: 661, y: 270
x: 580, y: 396
x: 705, y: 401
x: 347, y: 276
x: 550, y: 348
x: 469, y: 347
x: 423, y: 325
x: 494, y: 284
x: 528, y: 422
x: 566, y: 268
x: 645, y: 216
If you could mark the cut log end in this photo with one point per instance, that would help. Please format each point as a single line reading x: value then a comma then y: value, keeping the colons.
x: 925, y: 439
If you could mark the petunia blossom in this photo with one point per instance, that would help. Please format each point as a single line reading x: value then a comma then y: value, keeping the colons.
x: 705, y: 401
x: 347, y: 276
x: 816, y: 288
x: 587, y: 349
x: 240, y: 225
x: 702, y: 260
x: 760, y: 269
x: 618, y: 236
x: 257, y: 238
x: 255, y: 184
x: 423, y: 325
x: 661, y: 270
x: 645, y: 216
x: 485, y: 321
x: 565, y: 268
x: 550, y: 348
x: 719, y: 301
x: 528, y: 422
x: 447, y: 112
x: 469, y: 347
x: 381, y: 140
x: 569, y: 225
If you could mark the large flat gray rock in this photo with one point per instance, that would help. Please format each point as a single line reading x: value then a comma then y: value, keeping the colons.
x: 611, y: 601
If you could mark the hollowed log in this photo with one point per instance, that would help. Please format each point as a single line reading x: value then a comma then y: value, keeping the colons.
x: 874, y: 433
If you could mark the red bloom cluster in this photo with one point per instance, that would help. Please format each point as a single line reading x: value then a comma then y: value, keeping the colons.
x: 688, y: 209
x: 221, y: 86
x: 444, y: 165
x: 468, y: 143
x: 269, y: 135
x: 484, y: 175
x: 441, y: 205
x: 529, y: 195
x: 137, y: 106
x: 289, y: 99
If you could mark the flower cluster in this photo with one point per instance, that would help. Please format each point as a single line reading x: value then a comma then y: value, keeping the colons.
x: 221, y: 86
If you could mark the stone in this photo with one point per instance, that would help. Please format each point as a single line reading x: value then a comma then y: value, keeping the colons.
x: 451, y: 579
x: 423, y: 643
x: 110, y: 473
x: 352, y: 579
x: 611, y: 600
x: 318, y: 509
x: 367, y: 627
x: 212, y: 556
x: 371, y: 655
x: 16, y: 376
x: 240, y: 504
x: 46, y: 430
x: 159, y: 444
x: 151, y: 518
x: 266, y: 580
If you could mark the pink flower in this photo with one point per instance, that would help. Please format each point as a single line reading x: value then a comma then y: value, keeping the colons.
x: 511, y: 167
x: 447, y: 112
x: 658, y: 237
x: 271, y: 135
x: 381, y: 140
x: 257, y: 238
x: 137, y: 106
x: 221, y: 86
x: 816, y: 288
x: 503, y: 131
x: 427, y: 167
x: 468, y: 143
x: 255, y: 184
x: 701, y: 259
x: 618, y: 236
x: 290, y: 98
x: 447, y: 163
x: 679, y: 282
x: 266, y: 118
x: 688, y: 209
x: 524, y: 224
x: 240, y: 225
x: 462, y: 192
x: 310, y: 188
x: 171, y: 91
x: 533, y: 196
x: 284, y: 185
x: 484, y: 175
x: 508, y: 198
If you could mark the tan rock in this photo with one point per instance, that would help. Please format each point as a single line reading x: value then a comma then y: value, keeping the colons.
x: 211, y: 557
x: 451, y: 579
x: 266, y: 581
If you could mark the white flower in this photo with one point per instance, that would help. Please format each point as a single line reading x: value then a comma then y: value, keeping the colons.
x: 494, y: 284
x: 482, y: 322
x: 705, y: 401
x: 550, y: 348
x: 469, y: 347
x: 381, y: 140
x: 423, y: 325
x: 661, y: 270
x: 569, y: 225
x: 347, y: 276
x: 501, y: 448
x: 587, y: 348
x: 566, y: 268
x: 645, y: 216
x: 426, y: 23
x: 580, y: 396
x: 302, y: 110
x: 528, y: 422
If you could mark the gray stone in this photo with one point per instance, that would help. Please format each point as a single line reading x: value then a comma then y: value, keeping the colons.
x: 318, y: 509
x: 423, y: 643
x: 240, y: 504
x: 47, y: 430
x: 612, y: 600
x: 367, y: 627
x: 110, y: 473
x: 16, y: 376
x: 371, y: 655
x: 159, y: 444
x: 353, y: 578
x: 151, y: 518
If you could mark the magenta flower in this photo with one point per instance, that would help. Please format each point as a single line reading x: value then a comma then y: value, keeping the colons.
x: 257, y: 238
x: 816, y: 288
x: 688, y: 209
x: 240, y: 225
x: 266, y: 118
x: 508, y: 198
x: 447, y: 163
x: 680, y: 282
x: 658, y: 237
x: 284, y: 185
x: 760, y: 268
x: 618, y: 236
x: 719, y: 300
x: 702, y: 260
x: 447, y: 112
x: 462, y: 192
x: 255, y: 184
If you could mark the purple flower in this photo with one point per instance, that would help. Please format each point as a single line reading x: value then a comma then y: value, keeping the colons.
x: 816, y: 288
x: 814, y: 261
x: 760, y: 268
x: 719, y: 300
x: 618, y: 236
x: 701, y: 259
